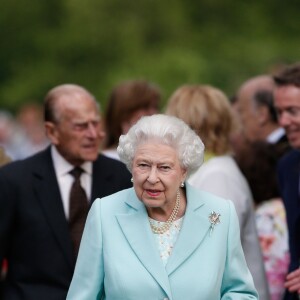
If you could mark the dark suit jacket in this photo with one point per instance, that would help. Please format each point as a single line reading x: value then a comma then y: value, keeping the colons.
x: 288, y: 174
x: 34, y: 234
x: 283, y: 145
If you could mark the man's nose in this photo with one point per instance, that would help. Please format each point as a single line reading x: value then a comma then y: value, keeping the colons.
x: 92, y: 130
x: 284, y: 119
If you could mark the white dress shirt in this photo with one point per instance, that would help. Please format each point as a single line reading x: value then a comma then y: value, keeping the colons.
x: 276, y: 135
x: 65, y: 179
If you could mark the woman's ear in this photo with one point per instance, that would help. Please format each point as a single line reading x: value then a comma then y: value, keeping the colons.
x: 184, y: 175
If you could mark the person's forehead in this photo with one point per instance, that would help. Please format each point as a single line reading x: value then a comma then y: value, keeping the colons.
x: 154, y: 148
x: 78, y: 115
x: 75, y: 103
x: 288, y: 92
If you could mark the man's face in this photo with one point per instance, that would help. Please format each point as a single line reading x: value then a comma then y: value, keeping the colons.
x: 78, y: 133
x: 287, y: 103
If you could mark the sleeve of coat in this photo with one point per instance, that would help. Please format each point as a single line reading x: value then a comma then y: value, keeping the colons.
x: 237, y: 281
x: 88, y: 278
x: 7, y: 211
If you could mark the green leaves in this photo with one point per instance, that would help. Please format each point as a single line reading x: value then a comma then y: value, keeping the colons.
x: 98, y: 43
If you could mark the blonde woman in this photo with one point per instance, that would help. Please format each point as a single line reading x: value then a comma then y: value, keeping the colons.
x: 208, y: 112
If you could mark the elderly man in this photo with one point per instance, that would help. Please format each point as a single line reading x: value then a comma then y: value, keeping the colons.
x: 45, y: 198
x: 254, y: 103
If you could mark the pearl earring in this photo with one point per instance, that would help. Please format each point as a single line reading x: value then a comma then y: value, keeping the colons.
x: 182, y: 184
x: 131, y: 179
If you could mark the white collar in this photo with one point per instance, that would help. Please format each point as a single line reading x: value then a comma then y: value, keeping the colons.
x: 276, y: 135
x: 63, y: 167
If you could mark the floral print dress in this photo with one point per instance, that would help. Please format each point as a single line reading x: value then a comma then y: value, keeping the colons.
x: 273, y: 235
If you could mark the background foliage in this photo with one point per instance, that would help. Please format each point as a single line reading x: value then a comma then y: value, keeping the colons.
x: 97, y: 43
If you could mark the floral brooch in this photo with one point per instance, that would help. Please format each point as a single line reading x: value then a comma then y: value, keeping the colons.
x: 214, y: 219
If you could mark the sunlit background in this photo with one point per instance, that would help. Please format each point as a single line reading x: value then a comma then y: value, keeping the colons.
x: 98, y: 43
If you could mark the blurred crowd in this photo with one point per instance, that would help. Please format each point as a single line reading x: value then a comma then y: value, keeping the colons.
x: 24, y: 134
x: 245, y: 137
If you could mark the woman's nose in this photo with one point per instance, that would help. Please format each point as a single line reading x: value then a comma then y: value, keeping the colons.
x: 153, y: 178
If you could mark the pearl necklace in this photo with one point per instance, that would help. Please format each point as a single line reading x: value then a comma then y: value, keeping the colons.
x: 166, y: 226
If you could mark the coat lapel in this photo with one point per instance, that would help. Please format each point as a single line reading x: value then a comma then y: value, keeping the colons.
x: 47, y: 192
x: 192, y: 232
x: 136, y: 229
x: 294, y: 180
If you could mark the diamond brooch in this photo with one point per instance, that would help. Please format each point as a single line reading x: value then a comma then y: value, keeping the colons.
x: 214, y: 219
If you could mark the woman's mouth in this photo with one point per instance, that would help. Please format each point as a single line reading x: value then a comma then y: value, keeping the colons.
x: 153, y: 193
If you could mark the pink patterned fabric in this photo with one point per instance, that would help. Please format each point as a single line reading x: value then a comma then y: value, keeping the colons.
x: 273, y: 236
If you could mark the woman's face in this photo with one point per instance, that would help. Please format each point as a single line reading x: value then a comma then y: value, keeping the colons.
x: 157, y: 176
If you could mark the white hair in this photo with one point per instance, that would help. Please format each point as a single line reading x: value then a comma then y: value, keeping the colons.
x: 167, y: 130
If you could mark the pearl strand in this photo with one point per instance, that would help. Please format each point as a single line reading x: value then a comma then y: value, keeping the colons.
x: 166, y: 226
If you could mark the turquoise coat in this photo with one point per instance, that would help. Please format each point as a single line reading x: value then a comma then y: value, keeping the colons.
x: 119, y: 259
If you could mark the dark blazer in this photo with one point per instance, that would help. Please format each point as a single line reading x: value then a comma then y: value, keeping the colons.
x: 34, y: 234
x: 283, y: 145
x: 288, y: 175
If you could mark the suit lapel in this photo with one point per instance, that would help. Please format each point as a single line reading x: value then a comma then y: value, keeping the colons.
x: 97, y: 182
x: 295, y: 171
x: 293, y: 197
x: 136, y: 229
x: 291, y: 188
x: 192, y: 232
x: 47, y: 191
x: 102, y: 180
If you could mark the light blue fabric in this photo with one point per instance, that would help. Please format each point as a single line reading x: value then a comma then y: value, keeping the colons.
x: 118, y: 257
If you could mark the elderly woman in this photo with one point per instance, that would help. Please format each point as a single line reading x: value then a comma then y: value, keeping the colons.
x: 161, y: 239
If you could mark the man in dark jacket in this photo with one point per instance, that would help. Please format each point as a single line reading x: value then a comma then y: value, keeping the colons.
x: 36, y: 234
x: 287, y: 103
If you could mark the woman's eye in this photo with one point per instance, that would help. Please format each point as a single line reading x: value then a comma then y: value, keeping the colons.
x: 143, y: 166
x: 165, y: 168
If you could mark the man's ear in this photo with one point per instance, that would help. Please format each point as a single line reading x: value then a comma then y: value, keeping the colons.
x: 51, y: 132
x: 262, y: 115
